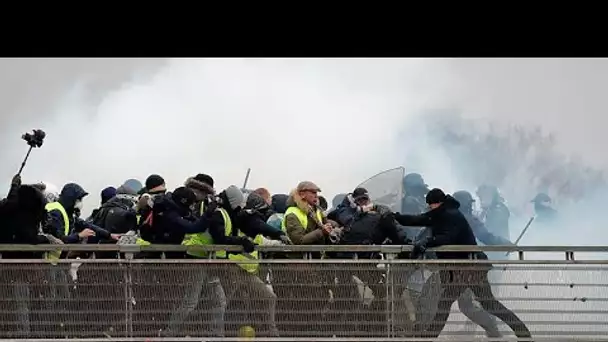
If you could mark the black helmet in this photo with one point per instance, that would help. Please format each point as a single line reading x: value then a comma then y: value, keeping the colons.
x: 414, y: 179
x: 541, y: 198
x: 463, y: 197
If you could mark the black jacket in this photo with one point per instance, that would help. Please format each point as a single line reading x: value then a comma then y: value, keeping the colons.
x: 447, y: 227
x: 171, y: 222
x: 252, y: 223
x: 371, y: 228
x: 21, y: 214
x: 116, y: 215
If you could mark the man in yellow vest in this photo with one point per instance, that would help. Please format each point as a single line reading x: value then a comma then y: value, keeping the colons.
x: 220, y: 232
x: 304, y: 220
x: 305, y: 224
x: 61, y: 222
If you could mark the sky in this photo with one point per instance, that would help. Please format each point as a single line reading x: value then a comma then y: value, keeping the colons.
x: 335, y: 122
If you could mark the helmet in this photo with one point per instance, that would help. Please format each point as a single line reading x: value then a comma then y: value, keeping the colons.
x: 541, y: 198
x: 463, y: 197
x: 414, y: 179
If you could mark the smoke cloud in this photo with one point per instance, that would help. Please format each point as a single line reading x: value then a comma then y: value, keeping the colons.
x: 332, y: 121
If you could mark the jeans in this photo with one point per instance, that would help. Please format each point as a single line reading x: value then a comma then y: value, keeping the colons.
x: 202, y: 282
x: 456, y: 283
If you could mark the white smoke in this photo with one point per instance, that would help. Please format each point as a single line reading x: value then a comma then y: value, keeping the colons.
x: 332, y: 121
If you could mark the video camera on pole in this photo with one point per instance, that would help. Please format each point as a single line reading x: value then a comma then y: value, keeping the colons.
x: 34, y: 139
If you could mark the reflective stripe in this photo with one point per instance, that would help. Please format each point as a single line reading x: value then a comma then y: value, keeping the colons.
x: 251, y: 268
x: 66, y: 221
x: 199, y: 239
x: 142, y: 242
x: 138, y: 217
x: 301, y: 215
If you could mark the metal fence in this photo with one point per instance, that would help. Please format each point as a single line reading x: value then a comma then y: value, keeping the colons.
x: 300, y: 299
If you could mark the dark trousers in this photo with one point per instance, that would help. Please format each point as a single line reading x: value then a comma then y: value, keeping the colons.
x: 455, y: 283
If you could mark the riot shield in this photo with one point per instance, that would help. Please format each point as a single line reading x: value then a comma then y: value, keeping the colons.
x: 386, y: 188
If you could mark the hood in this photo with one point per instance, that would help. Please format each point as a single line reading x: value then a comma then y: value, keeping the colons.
x: 69, y: 194
x: 279, y: 203
x: 199, y: 187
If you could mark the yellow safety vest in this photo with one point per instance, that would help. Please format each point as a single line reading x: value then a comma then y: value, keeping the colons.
x: 198, y: 239
x: 66, y: 221
x: 301, y: 215
x: 202, y: 239
x: 251, y: 268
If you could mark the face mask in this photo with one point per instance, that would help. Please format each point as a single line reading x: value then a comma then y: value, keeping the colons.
x: 78, y: 204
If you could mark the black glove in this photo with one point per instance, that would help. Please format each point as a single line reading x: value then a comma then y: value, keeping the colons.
x: 418, y: 251
x: 248, y: 245
x: 16, y: 181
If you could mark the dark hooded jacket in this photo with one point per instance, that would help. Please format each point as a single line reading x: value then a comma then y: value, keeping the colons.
x: 21, y: 214
x: 117, y: 215
x: 171, y: 220
x: 252, y: 220
x: 448, y: 226
x: 70, y: 193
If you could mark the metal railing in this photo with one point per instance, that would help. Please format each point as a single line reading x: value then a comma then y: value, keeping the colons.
x: 132, y: 299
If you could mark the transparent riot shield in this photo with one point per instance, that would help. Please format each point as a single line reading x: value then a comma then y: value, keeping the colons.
x: 385, y: 188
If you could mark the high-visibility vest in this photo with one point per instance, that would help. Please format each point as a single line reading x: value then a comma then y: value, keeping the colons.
x: 301, y: 215
x: 64, y: 214
x: 142, y: 242
x: 253, y: 267
x: 198, y: 239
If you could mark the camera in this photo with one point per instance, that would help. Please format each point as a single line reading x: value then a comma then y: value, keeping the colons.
x: 36, y: 139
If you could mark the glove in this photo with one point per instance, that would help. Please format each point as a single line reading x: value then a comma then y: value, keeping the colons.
x: 285, y: 239
x: 16, y: 181
x: 248, y: 245
x: 418, y: 251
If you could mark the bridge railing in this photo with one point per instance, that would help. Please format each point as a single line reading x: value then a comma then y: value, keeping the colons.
x: 327, y: 299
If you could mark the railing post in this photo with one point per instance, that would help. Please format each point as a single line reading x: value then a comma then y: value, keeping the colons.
x: 390, y: 295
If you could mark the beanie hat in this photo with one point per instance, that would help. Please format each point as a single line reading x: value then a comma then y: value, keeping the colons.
x: 360, y: 193
x: 235, y: 197
x: 201, y: 177
x: 107, y: 194
x: 183, y: 196
x: 154, y: 181
x: 255, y: 201
x: 435, y: 196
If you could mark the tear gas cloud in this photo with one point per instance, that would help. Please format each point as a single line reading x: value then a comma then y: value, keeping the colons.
x: 335, y: 122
